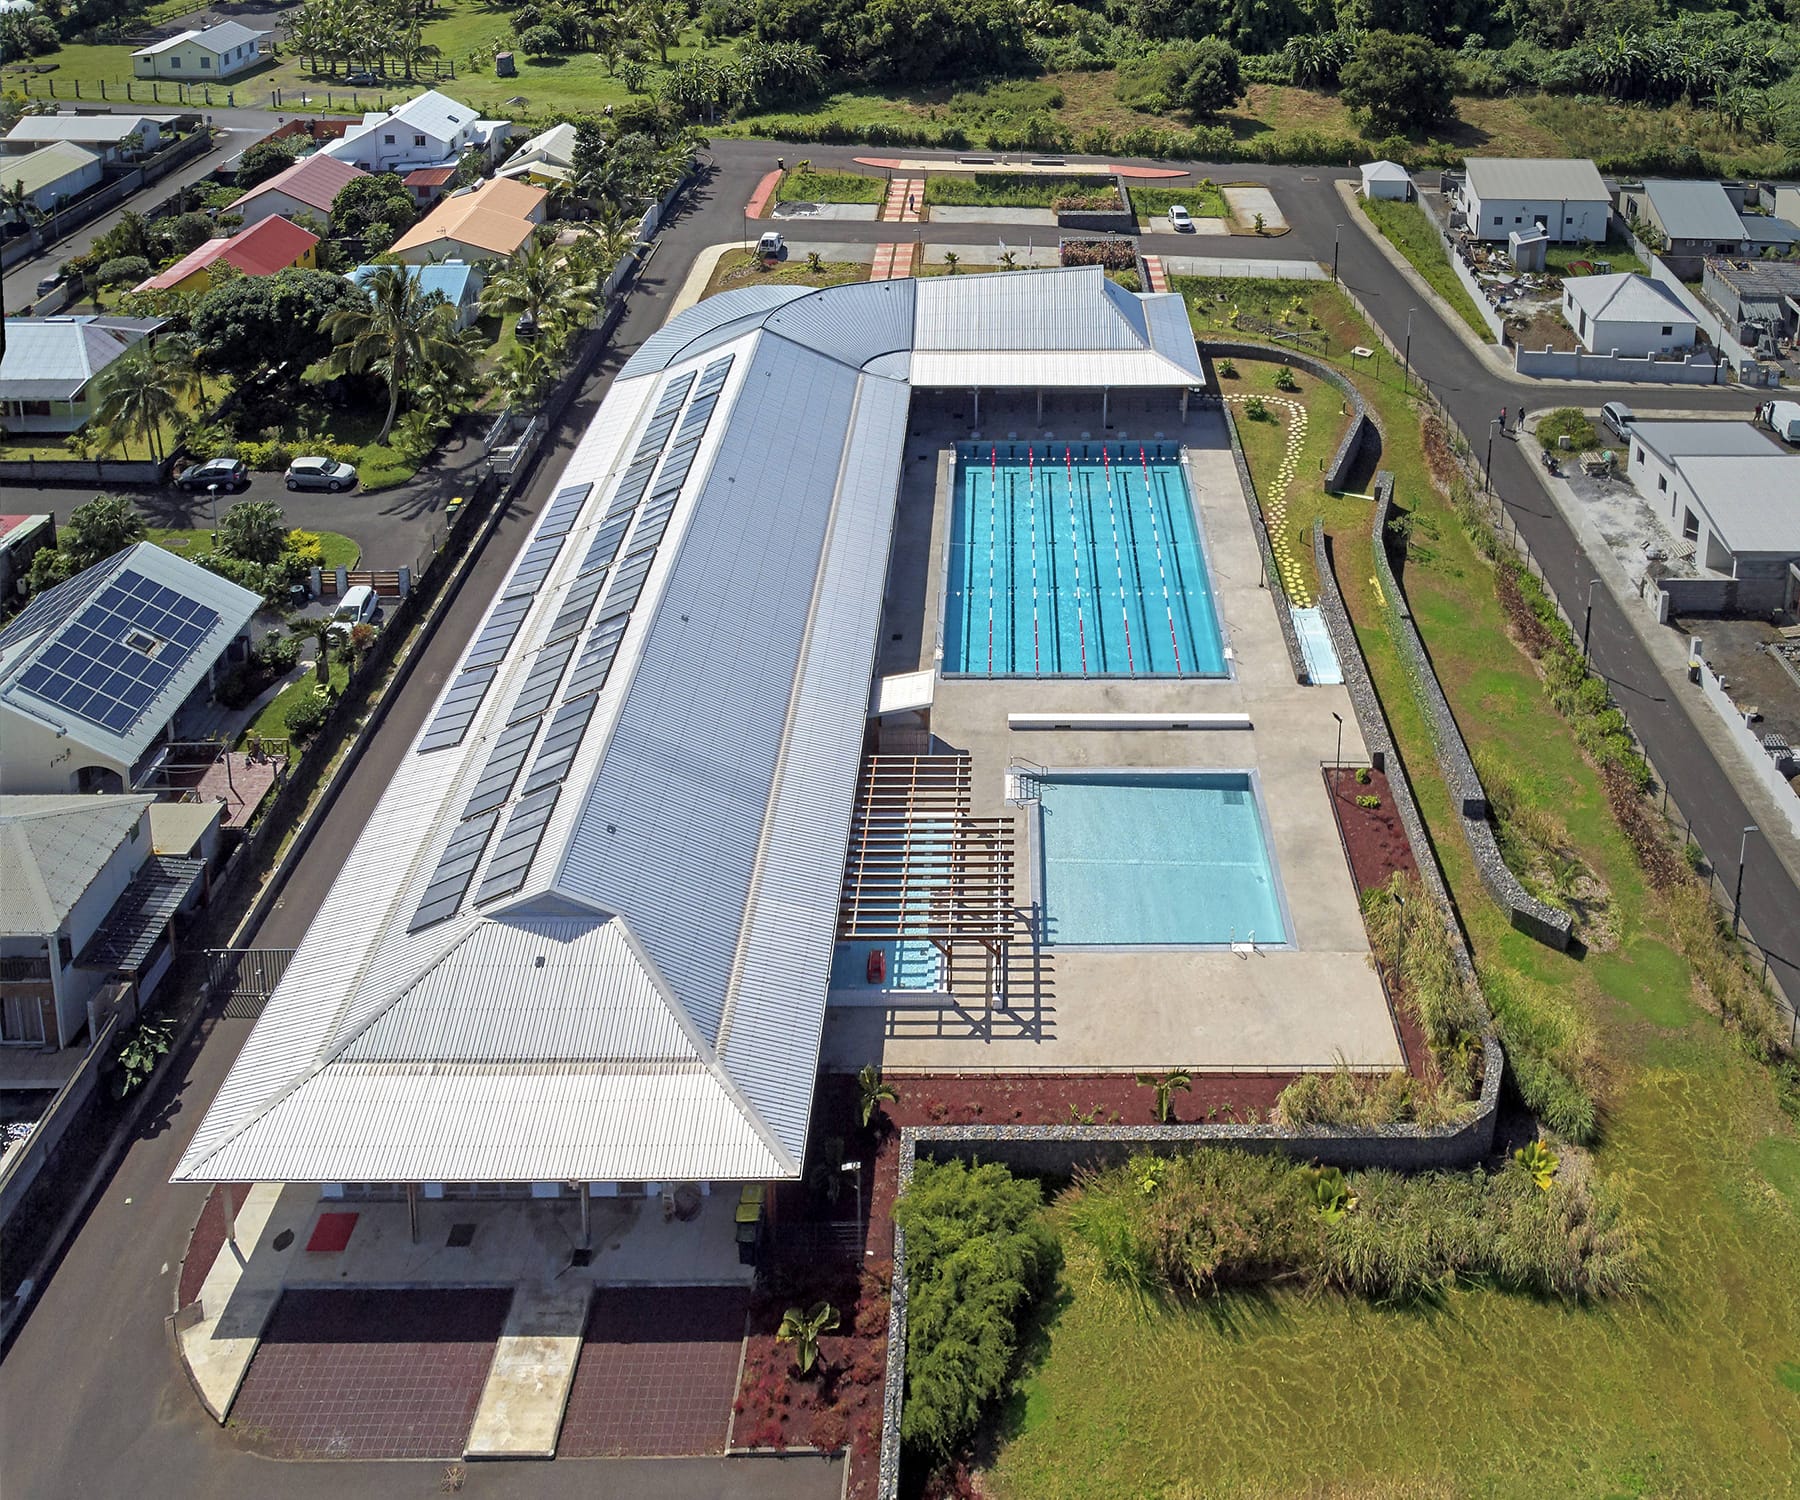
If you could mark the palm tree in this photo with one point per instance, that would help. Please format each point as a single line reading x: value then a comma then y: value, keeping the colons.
x: 952, y: 260
x: 875, y: 1092
x: 16, y: 203
x: 177, y: 359
x: 396, y: 330
x: 541, y: 283
x: 131, y: 401
x: 1008, y: 261
x: 660, y: 24
x: 525, y: 370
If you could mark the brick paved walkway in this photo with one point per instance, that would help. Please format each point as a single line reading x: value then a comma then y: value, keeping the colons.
x: 370, y: 1374
x: 658, y: 1373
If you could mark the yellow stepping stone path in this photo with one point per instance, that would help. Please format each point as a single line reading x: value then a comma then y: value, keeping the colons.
x: 1275, y: 498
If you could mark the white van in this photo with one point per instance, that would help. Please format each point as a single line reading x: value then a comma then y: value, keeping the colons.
x: 357, y: 607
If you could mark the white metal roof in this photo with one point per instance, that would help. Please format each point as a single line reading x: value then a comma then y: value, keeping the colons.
x: 642, y: 997
x: 218, y: 39
x: 52, y: 848
x: 99, y: 129
x: 53, y: 359
x: 1527, y: 178
x: 1625, y: 297
x: 1703, y: 438
x: 1384, y: 171
x: 1752, y: 502
x: 1693, y: 210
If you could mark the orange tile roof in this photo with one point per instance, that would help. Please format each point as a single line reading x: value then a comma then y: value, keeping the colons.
x: 493, y: 217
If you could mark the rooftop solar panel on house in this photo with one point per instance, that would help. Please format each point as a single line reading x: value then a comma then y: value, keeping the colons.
x: 455, y: 869
x: 517, y: 844
x: 108, y: 664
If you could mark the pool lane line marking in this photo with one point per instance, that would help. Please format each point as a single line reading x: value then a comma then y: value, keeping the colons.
x: 1161, y: 571
x: 1112, y: 518
x: 1037, y: 663
x: 993, y: 504
x: 1075, y: 552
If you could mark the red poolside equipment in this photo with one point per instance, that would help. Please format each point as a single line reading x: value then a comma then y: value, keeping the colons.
x: 877, y: 966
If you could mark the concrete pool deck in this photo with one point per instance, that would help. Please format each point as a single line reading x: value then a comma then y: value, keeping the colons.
x: 1312, y: 1004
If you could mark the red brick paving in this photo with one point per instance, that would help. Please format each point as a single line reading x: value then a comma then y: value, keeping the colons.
x: 658, y: 1373
x: 371, y: 1374
x: 209, y: 1235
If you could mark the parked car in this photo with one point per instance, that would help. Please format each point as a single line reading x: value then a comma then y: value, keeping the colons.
x: 320, y: 474
x: 48, y: 284
x: 1617, y: 416
x: 1180, y: 220
x: 770, y: 246
x: 359, y: 605
x: 227, y: 473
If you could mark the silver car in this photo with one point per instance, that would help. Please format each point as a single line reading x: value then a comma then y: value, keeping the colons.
x: 320, y: 474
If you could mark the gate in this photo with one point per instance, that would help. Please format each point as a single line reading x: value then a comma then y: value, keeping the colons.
x: 246, y: 977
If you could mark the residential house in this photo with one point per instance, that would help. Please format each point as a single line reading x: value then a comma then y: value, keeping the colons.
x: 48, y: 365
x: 1742, y: 515
x: 87, y: 899
x: 1627, y: 314
x: 94, y: 673
x: 310, y: 186
x: 1764, y: 234
x: 1695, y: 218
x: 203, y: 56
x: 118, y: 138
x: 457, y: 282
x: 267, y: 246
x: 429, y: 131
x: 428, y: 184
x: 1565, y: 198
x: 1757, y: 299
x: 21, y: 539
x: 548, y: 158
x: 1386, y: 179
x: 1657, y: 448
x: 51, y: 175
x: 478, y: 224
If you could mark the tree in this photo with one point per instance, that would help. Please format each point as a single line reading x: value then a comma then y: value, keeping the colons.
x: 177, y: 362
x: 254, y: 530
x: 1214, y: 81
x: 263, y: 160
x: 540, y: 281
x: 390, y: 331
x: 247, y: 323
x: 874, y: 1091
x: 1399, y: 83
x: 122, y: 270
x: 660, y: 23
x: 376, y: 210
x: 1166, y: 1085
x: 951, y: 261
x: 96, y: 530
x: 803, y: 1328
x: 129, y: 401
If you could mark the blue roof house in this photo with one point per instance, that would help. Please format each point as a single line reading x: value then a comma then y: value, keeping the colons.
x: 458, y: 282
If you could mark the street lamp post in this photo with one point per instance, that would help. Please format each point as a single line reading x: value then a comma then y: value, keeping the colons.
x: 1336, y: 230
x: 1487, y: 466
x: 1737, y: 898
x: 1587, y: 620
x: 213, y: 490
x: 1406, y: 356
x: 1337, y: 757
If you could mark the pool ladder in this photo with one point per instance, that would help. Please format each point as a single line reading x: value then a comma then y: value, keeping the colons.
x: 1024, y: 780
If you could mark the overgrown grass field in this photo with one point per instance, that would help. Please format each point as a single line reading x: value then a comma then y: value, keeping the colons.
x: 1203, y: 200
x: 1406, y: 227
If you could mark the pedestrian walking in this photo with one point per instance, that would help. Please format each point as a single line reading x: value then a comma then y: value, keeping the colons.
x: 1503, y: 419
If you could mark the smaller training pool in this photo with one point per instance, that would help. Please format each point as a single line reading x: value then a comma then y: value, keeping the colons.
x: 1156, y: 859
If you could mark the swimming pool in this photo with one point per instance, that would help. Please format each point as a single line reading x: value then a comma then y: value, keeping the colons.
x: 1077, y: 560
x: 1145, y: 858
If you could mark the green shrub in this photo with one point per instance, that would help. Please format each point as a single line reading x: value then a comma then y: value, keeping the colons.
x: 307, y: 715
x: 978, y: 1253
x: 1409, y: 936
x: 1569, y: 422
x: 1345, y: 1098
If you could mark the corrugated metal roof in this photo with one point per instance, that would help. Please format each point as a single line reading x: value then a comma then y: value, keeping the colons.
x: 142, y: 914
x: 683, y: 896
x: 1691, y: 210
x: 47, y: 166
x: 52, y: 359
x: 1574, y: 180
x: 1624, y: 296
x: 53, y: 848
x: 1030, y: 311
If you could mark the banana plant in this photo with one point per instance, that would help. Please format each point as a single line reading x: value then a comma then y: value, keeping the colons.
x: 803, y: 1328
x: 1331, y: 1194
x: 1166, y: 1085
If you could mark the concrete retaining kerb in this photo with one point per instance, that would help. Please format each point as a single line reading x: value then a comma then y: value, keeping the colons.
x: 1759, y: 760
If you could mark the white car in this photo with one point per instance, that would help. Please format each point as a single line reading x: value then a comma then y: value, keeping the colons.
x: 770, y: 246
x: 1180, y: 220
x: 320, y: 474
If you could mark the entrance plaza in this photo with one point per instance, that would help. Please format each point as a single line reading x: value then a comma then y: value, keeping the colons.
x: 1312, y: 1001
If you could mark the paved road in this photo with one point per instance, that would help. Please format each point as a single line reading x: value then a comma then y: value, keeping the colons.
x: 91, y: 1396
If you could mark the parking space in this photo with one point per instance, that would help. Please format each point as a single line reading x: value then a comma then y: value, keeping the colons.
x: 370, y: 1374
x: 658, y: 1373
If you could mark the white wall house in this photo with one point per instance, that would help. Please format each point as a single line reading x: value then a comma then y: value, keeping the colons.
x: 1386, y: 179
x: 202, y: 56
x: 1656, y: 449
x: 52, y: 175
x: 1626, y: 314
x: 1566, y: 199
x: 116, y: 137
x: 432, y: 130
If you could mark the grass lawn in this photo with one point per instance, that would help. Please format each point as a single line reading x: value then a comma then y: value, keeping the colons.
x: 745, y: 268
x: 829, y: 187
x: 271, y: 723
x: 1203, y: 200
x: 1406, y: 227
x: 1002, y: 190
x: 194, y: 544
x: 1689, y: 1389
x: 1558, y: 258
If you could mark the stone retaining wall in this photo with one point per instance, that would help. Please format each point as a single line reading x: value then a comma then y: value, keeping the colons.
x: 1546, y: 923
x: 1361, y: 429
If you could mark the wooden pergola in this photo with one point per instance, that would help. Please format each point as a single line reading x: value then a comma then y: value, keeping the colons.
x: 922, y: 867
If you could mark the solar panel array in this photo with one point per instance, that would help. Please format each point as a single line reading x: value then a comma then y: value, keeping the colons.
x: 108, y: 663
x: 458, y: 710
x: 525, y: 824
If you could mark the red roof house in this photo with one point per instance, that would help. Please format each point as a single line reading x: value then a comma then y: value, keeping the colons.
x: 309, y: 186
x: 261, y: 250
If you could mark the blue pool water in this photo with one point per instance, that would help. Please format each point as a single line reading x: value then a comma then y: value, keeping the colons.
x: 1077, y: 559
x: 1134, y: 858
